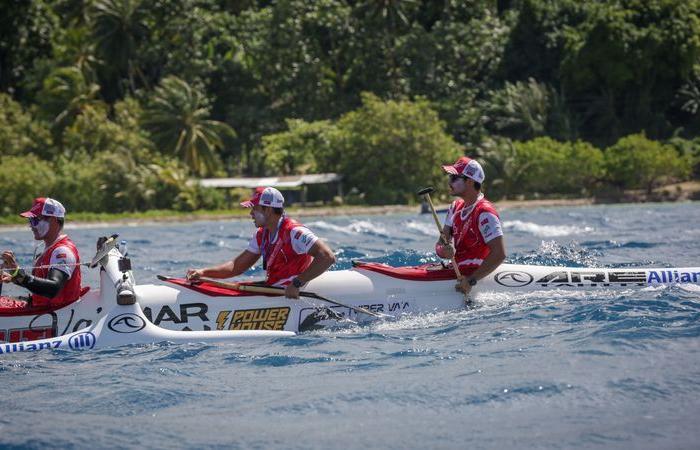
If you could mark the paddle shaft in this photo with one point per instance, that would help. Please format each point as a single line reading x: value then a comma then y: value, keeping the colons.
x: 444, y: 238
x: 278, y: 291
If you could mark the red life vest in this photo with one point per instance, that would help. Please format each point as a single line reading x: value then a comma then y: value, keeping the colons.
x: 470, y: 248
x: 71, y: 290
x: 283, y: 263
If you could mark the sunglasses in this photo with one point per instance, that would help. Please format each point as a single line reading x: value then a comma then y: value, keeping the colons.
x: 454, y: 178
x: 34, y: 221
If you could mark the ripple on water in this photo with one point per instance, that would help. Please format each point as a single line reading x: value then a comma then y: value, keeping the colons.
x: 434, y: 380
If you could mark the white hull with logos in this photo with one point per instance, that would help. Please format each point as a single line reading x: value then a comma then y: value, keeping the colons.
x: 177, y: 312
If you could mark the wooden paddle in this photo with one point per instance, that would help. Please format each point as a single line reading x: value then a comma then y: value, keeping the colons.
x: 425, y: 193
x: 280, y: 291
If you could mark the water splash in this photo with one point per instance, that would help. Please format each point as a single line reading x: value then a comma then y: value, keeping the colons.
x: 552, y: 253
x: 427, y: 229
x: 545, y: 230
x: 355, y: 227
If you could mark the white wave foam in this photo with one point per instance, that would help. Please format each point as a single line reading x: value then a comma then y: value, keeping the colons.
x: 545, y: 230
x: 357, y: 226
x: 406, y: 322
x: 423, y: 228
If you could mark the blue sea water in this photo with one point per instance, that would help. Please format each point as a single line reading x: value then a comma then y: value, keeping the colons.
x: 538, y: 370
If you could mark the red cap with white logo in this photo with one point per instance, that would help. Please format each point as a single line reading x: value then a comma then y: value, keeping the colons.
x: 46, y: 207
x: 265, y: 196
x: 467, y: 167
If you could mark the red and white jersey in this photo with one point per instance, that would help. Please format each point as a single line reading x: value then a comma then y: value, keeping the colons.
x: 63, y: 259
x: 285, y: 254
x: 473, y: 226
x: 61, y: 255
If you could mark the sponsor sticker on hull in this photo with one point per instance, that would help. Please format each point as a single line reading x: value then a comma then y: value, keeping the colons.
x: 253, y: 319
x: 26, y: 334
x: 513, y: 278
x: 81, y: 341
x: 587, y: 277
x: 592, y: 277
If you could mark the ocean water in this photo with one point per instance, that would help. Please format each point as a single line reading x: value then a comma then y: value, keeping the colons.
x: 539, y: 370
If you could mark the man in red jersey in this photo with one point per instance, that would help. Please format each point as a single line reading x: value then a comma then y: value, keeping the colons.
x: 55, y: 277
x: 472, y: 228
x: 292, y: 254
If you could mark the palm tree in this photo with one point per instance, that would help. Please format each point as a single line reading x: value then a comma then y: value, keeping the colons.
x: 690, y: 93
x: 177, y: 120
x: 118, y: 26
x: 505, y: 169
x: 76, y: 48
x: 520, y: 110
x: 65, y: 94
x: 390, y: 18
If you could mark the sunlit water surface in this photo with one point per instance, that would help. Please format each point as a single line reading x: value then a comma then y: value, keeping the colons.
x: 537, y: 370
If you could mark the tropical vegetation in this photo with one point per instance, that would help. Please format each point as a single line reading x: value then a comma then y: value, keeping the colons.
x: 120, y: 105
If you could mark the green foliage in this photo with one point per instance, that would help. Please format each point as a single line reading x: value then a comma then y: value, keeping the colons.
x: 503, y: 167
x: 628, y: 57
x: 118, y: 27
x: 93, y: 132
x: 65, y: 95
x: 116, y: 183
x: 688, y: 149
x: 541, y: 166
x: 19, y: 133
x: 389, y: 150
x: 22, y: 178
x: 636, y: 162
x: 520, y: 110
x: 289, y: 75
x: 548, y: 166
x: 301, y: 149
x: 26, y: 32
x: 177, y: 119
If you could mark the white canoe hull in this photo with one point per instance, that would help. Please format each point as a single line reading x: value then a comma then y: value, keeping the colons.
x: 180, y: 308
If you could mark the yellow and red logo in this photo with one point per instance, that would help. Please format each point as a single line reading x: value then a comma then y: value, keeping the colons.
x: 253, y: 319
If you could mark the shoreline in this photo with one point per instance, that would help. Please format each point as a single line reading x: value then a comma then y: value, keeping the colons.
x: 329, y: 212
x: 681, y: 192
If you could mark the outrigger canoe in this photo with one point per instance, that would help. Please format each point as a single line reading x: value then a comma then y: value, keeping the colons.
x: 123, y: 312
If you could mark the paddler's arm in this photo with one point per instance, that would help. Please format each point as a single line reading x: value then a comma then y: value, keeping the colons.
x: 323, y: 259
x: 495, y: 259
x: 46, y: 287
x: 229, y: 269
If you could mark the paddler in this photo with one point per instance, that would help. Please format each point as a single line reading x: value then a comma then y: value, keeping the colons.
x: 292, y: 254
x: 55, y: 277
x: 472, y: 228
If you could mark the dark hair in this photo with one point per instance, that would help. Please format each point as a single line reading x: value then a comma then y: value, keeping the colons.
x: 60, y: 221
x: 477, y: 185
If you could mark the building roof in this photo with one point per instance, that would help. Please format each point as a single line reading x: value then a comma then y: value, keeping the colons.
x: 291, y: 181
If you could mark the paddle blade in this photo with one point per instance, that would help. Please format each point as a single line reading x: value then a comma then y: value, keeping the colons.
x: 427, y: 190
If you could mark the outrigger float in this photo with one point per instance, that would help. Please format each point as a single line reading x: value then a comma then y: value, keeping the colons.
x: 123, y: 312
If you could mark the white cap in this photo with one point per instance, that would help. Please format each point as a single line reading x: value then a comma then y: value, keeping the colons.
x: 46, y: 207
x: 265, y: 196
x: 467, y: 167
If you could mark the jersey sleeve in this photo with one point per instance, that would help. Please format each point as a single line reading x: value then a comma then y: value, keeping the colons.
x: 254, y: 243
x: 63, y: 259
x: 490, y: 226
x: 302, y: 240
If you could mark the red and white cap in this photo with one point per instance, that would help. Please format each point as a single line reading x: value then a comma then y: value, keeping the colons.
x: 265, y: 196
x: 468, y: 167
x: 44, y: 206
